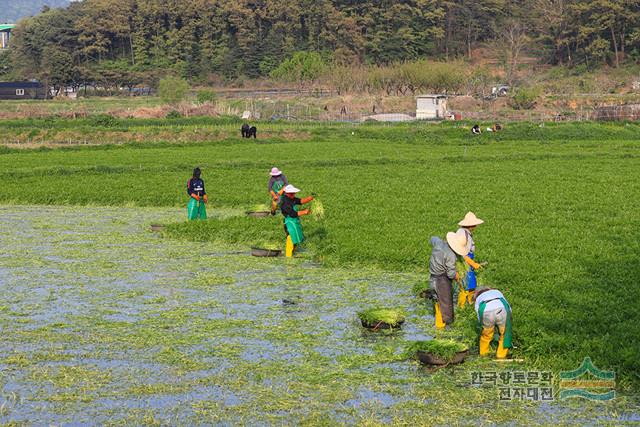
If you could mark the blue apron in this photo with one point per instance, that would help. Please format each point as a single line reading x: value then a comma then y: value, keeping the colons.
x: 471, y: 275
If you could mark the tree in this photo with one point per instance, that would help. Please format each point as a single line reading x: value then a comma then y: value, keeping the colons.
x: 515, y: 38
x: 232, y: 38
x: 173, y: 90
x: 301, y: 68
x: 57, y: 68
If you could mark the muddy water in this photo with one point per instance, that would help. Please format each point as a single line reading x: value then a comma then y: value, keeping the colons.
x: 103, y: 321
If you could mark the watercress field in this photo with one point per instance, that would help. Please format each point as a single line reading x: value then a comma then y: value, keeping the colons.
x: 104, y: 321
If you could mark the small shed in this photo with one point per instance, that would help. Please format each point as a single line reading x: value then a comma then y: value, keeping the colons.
x: 431, y: 107
x: 22, y: 90
x: 5, y: 33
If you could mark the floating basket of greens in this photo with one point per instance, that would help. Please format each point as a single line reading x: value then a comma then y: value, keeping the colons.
x: 438, y: 352
x: 381, y: 318
x: 266, y: 250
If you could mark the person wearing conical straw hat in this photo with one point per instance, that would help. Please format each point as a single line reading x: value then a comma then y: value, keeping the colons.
x: 468, y: 284
x: 277, y: 182
x: 493, y: 312
x: 442, y: 270
x: 289, y: 206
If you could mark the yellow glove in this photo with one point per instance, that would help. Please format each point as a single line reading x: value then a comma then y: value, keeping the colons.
x: 472, y: 263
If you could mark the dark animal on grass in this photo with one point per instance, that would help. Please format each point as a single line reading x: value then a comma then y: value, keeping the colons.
x: 248, y: 132
x: 245, y: 130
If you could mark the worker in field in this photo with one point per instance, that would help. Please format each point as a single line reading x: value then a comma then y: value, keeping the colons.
x: 469, y: 283
x: 277, y: 182
x: 290, y: 207
x: 442, y: 270
x: 197, y: 197
x: 493, y: 312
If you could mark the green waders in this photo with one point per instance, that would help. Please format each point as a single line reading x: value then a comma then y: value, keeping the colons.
x: 196, y: 209
x: 294, y: 228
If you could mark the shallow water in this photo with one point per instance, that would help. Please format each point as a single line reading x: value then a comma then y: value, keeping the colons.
x: 103, y: 321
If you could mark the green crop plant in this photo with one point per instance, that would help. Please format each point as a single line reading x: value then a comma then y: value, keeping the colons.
x: 560, y: 203
x: 317, y: 209
x: 461, y: 268
x: 420, y: 288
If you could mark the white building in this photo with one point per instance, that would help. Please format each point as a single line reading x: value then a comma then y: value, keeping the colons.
x: 431, y: 107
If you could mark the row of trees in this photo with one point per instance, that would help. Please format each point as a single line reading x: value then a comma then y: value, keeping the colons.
x: 125, y: 42
x: 395, y: 79
x: 13, y: 10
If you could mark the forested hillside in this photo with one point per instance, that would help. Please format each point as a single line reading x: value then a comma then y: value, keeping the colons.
x: 12, y: 10
x: 136, y: 39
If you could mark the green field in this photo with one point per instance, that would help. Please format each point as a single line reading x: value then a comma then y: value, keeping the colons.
x: 561, y: 207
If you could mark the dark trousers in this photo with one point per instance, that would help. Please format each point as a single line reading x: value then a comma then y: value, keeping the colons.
x: 444, y: 290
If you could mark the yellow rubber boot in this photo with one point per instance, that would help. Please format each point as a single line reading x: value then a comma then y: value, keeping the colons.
x: 437, y: 314
x: 502, y: 352
x: 485, y: 340
x: 289, y: 247
x: 463, y: 298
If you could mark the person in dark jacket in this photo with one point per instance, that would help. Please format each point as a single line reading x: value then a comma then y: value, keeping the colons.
x: 277, y: 182
x: 197, y: 197
x: 289, y: 206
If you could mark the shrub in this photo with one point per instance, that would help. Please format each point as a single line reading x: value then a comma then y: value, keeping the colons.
x: 206, y: 95
x: 172, y: 90
x: 301, y: 67
x: 524, y: 98
x: 173, y: 114
x: 103, y: 120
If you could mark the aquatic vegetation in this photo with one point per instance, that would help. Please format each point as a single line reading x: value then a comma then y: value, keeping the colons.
x: 92, y: 287
x: 420, y: 288
x: 444, y: 349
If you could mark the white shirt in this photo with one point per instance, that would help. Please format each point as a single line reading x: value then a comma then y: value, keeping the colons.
x: 470, y: 242
x: 494, y: 295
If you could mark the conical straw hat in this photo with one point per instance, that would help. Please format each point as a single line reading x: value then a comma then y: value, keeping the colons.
x: 470, y: 220
x: 458, y: 242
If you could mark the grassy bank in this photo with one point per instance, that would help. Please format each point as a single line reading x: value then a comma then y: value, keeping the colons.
x: 560, y: 204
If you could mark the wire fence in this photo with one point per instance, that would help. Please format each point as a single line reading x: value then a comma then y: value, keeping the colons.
x: 307, y: 113
x: 630, y: 112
